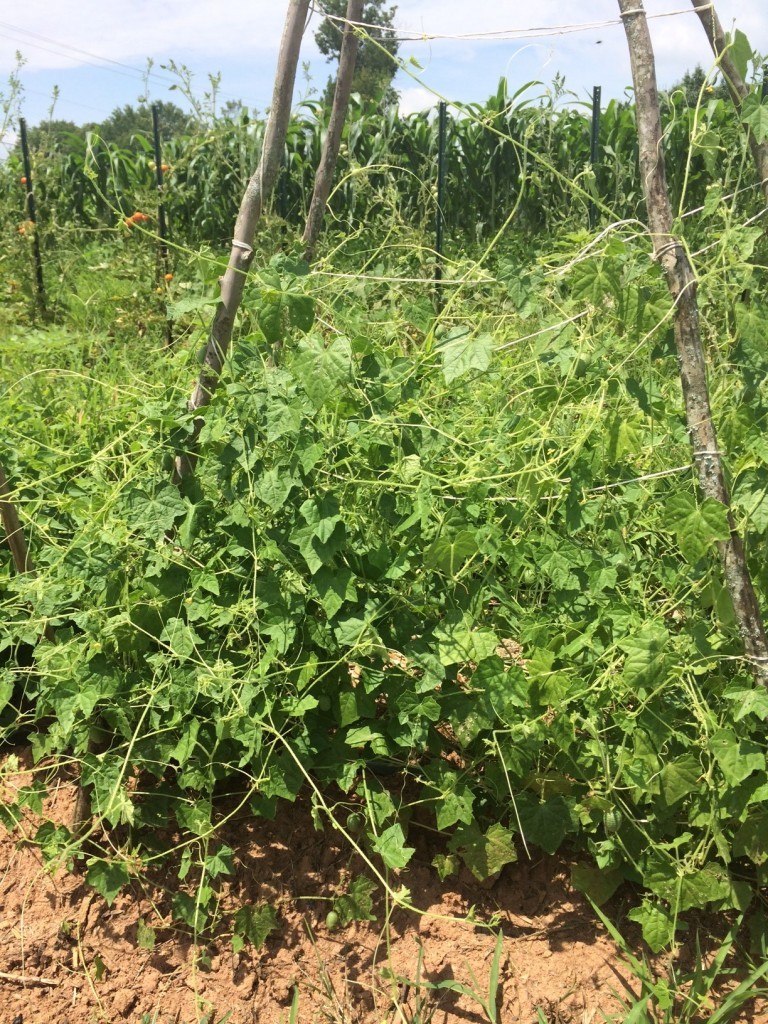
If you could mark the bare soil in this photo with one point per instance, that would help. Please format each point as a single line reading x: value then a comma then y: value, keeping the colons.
x: 65, y: 956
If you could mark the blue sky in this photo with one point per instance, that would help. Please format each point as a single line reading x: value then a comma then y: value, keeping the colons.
x: 96, y: 53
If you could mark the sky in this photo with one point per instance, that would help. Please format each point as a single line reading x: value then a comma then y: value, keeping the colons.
x: 96, y: 53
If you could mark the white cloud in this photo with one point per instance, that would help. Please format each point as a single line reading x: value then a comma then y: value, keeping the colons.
x: 71, y: 32
x: 240, y: 38
x: 414, y: 99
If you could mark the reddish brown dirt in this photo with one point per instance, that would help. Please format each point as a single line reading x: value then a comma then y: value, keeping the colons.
x: 65, y: 956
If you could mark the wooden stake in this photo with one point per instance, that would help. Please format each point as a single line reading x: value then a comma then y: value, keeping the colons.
x: 693, y: 374
x: 737, y: 87
x: 259, y: 187
x: 14, y: 533
x: 327, y: 165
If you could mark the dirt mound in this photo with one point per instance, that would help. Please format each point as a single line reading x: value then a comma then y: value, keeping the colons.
x: 67, y: 956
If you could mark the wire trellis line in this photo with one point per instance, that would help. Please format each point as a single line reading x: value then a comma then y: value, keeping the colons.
x: 502, y: 35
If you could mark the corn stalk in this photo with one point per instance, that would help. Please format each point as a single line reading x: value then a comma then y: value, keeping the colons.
x: 681, y: 282
x: 258, y: 189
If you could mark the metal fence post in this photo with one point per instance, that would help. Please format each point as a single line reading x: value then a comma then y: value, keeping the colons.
x: 32, y: 215
x: 594, y: 141
x: 442, y: 125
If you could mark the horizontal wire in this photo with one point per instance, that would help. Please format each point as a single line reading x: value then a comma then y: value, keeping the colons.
x: 86, y: 53
x: 403, y: 280
x: 411, y: 36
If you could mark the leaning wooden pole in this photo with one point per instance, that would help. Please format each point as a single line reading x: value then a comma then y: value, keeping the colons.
x: 14, y: 536
x: 737, y: 87
x: 241, y: 256
x: 327, y: 165
x: 682, y: 286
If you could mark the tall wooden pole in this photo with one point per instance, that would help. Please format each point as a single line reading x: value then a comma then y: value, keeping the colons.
x: 693, y: 374
x: 737, y: 87
x: 332, y: 144
x: 258, y: 188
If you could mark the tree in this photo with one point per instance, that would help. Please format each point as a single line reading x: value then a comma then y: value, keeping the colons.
x: 125, y: 122
x: 376, y: 66
x: 691, y: 85
x: 53, y: 136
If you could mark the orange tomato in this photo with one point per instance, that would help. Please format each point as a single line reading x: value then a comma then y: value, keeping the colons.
x: 23, y: 181
x: 168, y: 277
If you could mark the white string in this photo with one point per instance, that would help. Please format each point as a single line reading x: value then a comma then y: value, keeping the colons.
x: 404, y: 280
x: 411, y: 36
x: 544, y: 330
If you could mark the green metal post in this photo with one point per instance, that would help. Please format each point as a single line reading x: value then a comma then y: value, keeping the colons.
x: 32, y: 215
x: 594, y: 142
x: 442, y: 127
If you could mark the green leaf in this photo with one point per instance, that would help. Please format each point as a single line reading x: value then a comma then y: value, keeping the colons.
x: 710, y: 885
x: 195, y: 816
x: 751, y: 701
x: 355, y: 632
x: 599, y: 884
x: 334, y: 586
x: 737, y: 758
x: 357, y: 903
x: 450, y: 552
x: 459, y: 642
x: 645, y: 661
x: 462, y: 352
x: 545, y: 823
x: 752, y: 838
x: 6, y: 687
x: 180, y: 637
x: 657, y: 923
x: 679, y: 778
x: 220, y: 862
x: 485, y: 854
x: 145, y: 936
x: 390, y: 846
x: 455, y: 804
x: 739, y: 51
x: 282, y: 306
x: 255, y: 923
x: 696, y: 526
x: 446, y: 865
x: 190, y: 910
x: 154, y: 513
x: 52, y: 839
x: 323, y: 372
x: 274, y: 487
x: 107, y: 877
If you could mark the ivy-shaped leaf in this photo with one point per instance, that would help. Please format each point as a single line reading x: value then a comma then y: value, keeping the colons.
x: 390, y: 846
x: 645, y: 661
x: 254, y: 923
x: 107, y: 877
x: 484, y: 853
x: 696, y: 526
x: 357, y: 902
x: 323, y: 372
x: 462, y: 351
x: 754, y: 114
x: 657, y: 923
